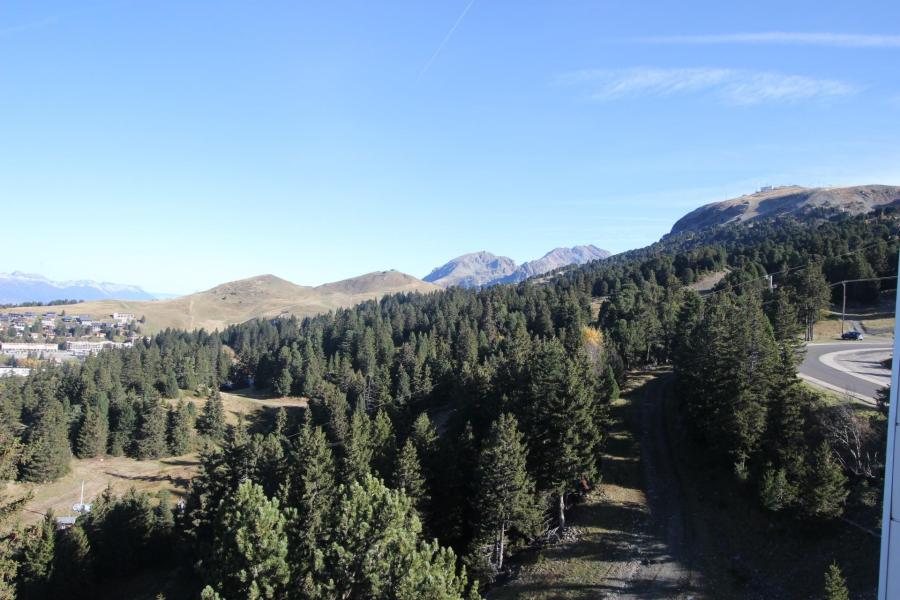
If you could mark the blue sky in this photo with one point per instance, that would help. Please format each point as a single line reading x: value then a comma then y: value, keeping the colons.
x: 177, y: 145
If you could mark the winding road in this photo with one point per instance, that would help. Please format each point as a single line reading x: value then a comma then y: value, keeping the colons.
x: 848, y: 367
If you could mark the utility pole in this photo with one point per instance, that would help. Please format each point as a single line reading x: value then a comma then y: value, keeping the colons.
x: 844, y: 308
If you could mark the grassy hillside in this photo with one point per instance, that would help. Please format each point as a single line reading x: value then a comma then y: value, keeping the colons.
x: 172, y: 473
x: 262, y: 296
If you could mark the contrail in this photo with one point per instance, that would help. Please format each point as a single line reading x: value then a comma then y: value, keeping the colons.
x: 447, y: 37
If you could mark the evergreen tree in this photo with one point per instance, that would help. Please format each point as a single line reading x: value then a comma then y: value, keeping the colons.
x: 775, y: 492
x: 408, y: 476
x: 209, y: 593
x: 336, y: 408
x: 561, y: 421
x: 10, y: 453
x: 505, y: 493
x: 609, y: 387
x: 250, y: 546
x: 835, y: 584
x: 151, y: 437
x: 810, y: 292
x: 309, y: 491
x: 36, y: 565
x: 279, y: 428
x: 826, y: 486
x: 358, y: 447
x: 376, y: 552
x: 47, y: 443
x: 170, y: 385
x: 179, y: 430
x: 72, y: 564
x: 284, y: 382
x: 211, y: 421
x: 384, y: 445
x: 92, y: 433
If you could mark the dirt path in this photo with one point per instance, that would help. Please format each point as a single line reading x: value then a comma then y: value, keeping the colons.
x: 632, y: 539
x: 660, y: 564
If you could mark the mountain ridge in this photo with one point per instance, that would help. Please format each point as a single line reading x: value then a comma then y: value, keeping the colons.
x: 481, y: 269
x: 791, y: 199
x: 18, y: 287
x: 261, y: 296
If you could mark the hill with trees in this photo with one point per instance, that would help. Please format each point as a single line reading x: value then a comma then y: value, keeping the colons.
x: 446, y: 432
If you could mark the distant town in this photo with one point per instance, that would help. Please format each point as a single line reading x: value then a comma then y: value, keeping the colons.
x: 30, y: 337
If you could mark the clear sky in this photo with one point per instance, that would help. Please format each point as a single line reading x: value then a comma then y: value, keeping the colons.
x: 176, y: 145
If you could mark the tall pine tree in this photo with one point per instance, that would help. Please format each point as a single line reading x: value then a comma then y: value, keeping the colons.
x: 505, y: 498
x: 251, y: 548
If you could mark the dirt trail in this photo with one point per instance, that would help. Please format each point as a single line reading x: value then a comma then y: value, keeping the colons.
x: 632, y: 541
x: 660, y: 564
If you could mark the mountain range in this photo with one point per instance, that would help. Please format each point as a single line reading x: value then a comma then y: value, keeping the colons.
x: 480, y: 269
x: 245, y: 299
x: 271, y: 296
x: 17, y: 287
x: 791, y: 199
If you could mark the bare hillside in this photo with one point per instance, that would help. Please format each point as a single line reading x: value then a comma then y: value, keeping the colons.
x: 789, y: 200
x: 245, y: 299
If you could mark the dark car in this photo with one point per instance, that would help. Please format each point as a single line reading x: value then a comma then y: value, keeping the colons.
x: 852, y: 335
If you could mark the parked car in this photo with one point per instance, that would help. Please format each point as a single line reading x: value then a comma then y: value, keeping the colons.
x: 853, y: 335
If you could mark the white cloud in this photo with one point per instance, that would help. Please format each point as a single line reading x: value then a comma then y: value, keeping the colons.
x: 732, y: 85
x: 841, y: 40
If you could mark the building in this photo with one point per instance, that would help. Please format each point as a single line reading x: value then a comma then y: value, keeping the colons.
x: 24, y: 350
x: 14, y: 372
x: 82, y: 348
x: 123, y: 318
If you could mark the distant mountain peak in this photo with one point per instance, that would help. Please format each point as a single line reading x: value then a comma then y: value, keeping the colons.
x: 475, y: 269
x: 479, y: 269
x: 18, y: 287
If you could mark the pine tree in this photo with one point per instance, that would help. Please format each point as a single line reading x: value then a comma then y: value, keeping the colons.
x: 47, y: 444
x: 376, y: 552
x: 170, y: 385
x: 279, y: 428
x: 211, y: 421
x: 835, y: 584
x: 358, y: 447
x: 72, y: 567
x: 209, y: 593
x: 425, y: 438
x: 408, y: 476
x: 179, y: 431
x: 336, y: 408
x: 505, y: 493
x: 10, y: 453
x: 309, y: 493
x: 36, y: 566
x: 775, y: 492
x: 561, y: 421
x: 92, y: 433
x: 825, y: 490
x: 250, y: 546
x: 609, y: 388
x: 151, y: 436
x: 284, y: 382
x: 384, y: 445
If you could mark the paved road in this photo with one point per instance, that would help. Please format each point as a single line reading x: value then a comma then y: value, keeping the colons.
x: 848, y: 366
